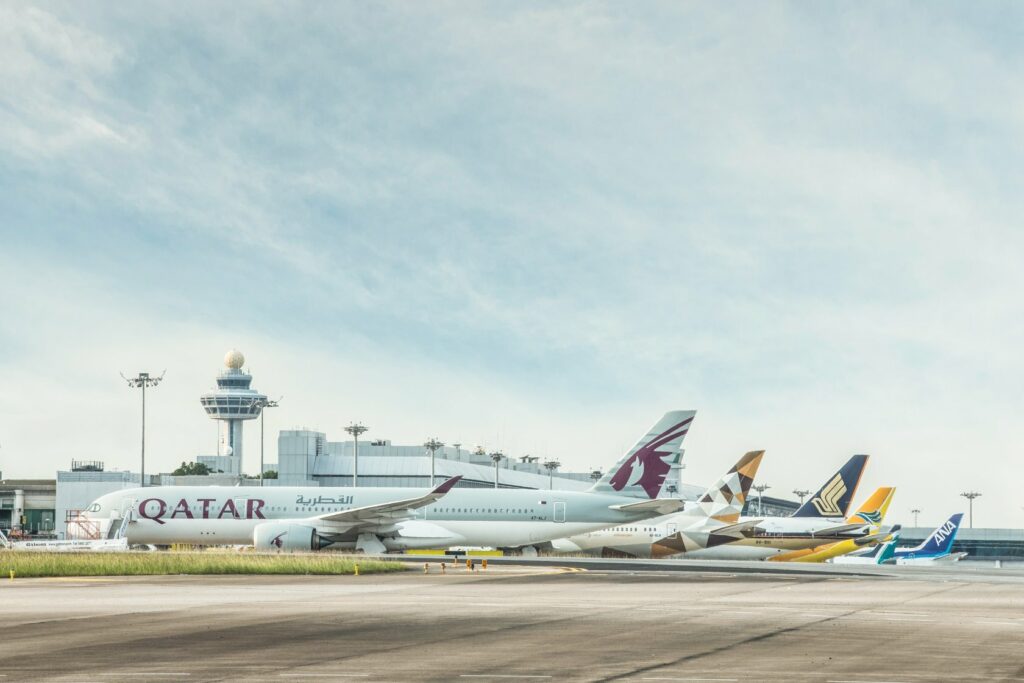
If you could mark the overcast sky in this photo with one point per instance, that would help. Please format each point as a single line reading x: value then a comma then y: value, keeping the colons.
x: 530, y: 227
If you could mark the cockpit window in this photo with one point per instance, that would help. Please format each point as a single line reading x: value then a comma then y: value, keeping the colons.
x: 95, y: 507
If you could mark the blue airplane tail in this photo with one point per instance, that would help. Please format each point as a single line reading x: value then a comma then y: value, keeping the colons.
x: 940, y: 542
x: 833, y: 499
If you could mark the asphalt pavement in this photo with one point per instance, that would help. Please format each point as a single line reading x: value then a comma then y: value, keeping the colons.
x: 509, y: 623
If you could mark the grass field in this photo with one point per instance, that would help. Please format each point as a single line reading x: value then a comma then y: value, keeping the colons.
x: 37, y: 564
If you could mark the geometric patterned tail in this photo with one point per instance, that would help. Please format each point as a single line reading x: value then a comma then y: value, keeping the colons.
x: 724, y: 500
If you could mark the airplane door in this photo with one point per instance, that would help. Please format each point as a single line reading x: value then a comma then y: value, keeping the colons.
x: 559, y: 512
x: 671, y: 528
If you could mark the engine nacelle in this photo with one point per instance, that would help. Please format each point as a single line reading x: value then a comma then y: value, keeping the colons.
x: 285, y: 536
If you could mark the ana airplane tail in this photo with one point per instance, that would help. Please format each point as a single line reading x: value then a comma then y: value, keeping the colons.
x: 724, y: 500
x: 641, y: 472
x: 833, y: 499
x: 940, y: 542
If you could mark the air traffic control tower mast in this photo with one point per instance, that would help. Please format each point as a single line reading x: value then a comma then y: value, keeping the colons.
x: 231, y: 403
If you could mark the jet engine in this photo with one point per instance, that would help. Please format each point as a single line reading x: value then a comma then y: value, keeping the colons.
x: 284, y: 536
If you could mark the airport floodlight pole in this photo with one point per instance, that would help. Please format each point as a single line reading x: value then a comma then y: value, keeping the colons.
x: 970, y: 496
x: 433, y: 445
x: 496, y: 457
x: 142, y: 381
x: 915, y: 512
x: 551, y: 466
x: 458, y: 451
x: 355, y: 429
x: 263, y: 404
x: 801, y: 493
x: 760, y: 488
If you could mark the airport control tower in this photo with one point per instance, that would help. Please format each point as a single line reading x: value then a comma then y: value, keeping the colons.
x: 232, y: 403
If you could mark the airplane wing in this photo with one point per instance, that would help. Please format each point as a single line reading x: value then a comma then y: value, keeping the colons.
x: 734, y: 529
x: 390, y: 511
x: 838, y: 529
x: 660, y: 506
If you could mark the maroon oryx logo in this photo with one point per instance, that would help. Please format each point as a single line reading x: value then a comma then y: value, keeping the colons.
x: 647, y: 467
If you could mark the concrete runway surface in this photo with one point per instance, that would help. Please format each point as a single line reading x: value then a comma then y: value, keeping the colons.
x: 515, y: 624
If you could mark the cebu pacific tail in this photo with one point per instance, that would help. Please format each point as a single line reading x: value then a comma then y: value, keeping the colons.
x: 874, y: 508
x: 833, y: 498
x: 641, y: 472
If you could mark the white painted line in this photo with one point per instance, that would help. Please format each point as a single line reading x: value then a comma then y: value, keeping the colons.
x: 135, y: 674
x: 1000, y: 623
x: 866, y: 681
x: 501, y: 676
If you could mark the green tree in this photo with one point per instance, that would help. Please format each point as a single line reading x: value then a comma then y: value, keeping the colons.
x: 188, y: 468
x: 270, y: 474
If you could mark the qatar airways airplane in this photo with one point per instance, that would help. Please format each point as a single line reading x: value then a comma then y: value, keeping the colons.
x: 376, y: 520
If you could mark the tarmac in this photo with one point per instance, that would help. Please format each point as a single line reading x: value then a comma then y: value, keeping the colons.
x: 518, y: 623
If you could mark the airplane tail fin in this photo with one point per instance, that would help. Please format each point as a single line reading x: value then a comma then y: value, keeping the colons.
x: 888, y: 550
x: 940, y: 542
x: 833, y: 499
x: 874, y: 508
x: 724, y: 500
x: 641, y: 472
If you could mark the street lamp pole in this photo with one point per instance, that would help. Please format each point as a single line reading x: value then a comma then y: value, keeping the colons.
x: 433, y: 445
x: 263, y: 404
x: 760, y: 488
x: 496, y: 457
x: 355, y: 429
x: 141, y: 381
x: 551, y: 466
x: 970, y: 496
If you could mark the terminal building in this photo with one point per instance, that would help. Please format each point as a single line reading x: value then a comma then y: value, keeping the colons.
x: 28, y: 506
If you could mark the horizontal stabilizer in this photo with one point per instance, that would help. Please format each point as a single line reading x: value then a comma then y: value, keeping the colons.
x: 661, y: 506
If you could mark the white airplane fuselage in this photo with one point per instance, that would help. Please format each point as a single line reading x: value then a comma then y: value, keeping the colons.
x: 211, y: 515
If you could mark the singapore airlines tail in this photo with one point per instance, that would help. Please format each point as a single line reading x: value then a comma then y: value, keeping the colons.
x: 834, y: 497
x: 641, y: 472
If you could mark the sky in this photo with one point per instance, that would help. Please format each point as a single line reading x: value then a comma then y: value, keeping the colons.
x: 535, y: 227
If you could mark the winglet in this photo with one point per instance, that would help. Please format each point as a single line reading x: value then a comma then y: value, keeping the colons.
x: 447, y: 486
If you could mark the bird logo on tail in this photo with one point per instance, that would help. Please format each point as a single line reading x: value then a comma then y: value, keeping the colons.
x: 827, y: 502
